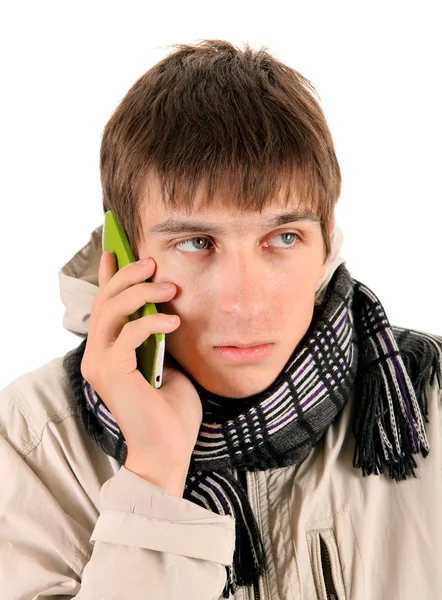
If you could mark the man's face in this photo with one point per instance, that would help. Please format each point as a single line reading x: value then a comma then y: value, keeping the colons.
x: 252, y: 282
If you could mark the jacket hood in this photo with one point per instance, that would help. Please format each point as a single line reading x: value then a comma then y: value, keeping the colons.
x: 78, y: 280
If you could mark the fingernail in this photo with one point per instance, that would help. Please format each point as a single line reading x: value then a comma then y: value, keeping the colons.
x: 166, y: 285
x: 143, y: 261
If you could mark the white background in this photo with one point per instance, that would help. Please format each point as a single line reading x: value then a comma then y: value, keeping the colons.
x: 66, y: 66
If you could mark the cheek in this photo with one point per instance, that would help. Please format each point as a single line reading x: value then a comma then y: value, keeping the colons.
x: 296, y: 298
x: 190, y: 299
x: 295, y: 293
x: 197, y: 294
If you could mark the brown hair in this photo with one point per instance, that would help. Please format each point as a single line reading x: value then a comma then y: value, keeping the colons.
x: 213, y: 115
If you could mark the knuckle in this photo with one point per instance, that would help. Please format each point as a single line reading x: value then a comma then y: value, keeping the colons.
x: 107, y: 309
x: 96, y: 302
x: 141, y: 293
x: 130, y: 327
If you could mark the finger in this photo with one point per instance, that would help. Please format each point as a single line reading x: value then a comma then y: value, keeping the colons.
x: 130, y: 274
x: 134, y: 333
x: 114, y: 312
x: 107, y: 269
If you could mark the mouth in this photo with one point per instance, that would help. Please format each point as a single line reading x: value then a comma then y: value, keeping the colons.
x: 244, y: 353
x: 242, y: 345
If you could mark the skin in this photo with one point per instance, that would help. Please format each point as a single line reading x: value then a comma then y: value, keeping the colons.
x: 246, y: 285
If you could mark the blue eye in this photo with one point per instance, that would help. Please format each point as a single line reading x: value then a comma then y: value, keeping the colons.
x: 194, y: 247
x: 288, y: 234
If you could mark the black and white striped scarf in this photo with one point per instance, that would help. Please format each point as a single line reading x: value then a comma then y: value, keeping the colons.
x: 349, y: 345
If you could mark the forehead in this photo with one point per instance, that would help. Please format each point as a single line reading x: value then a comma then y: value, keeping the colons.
x: 222, y: 210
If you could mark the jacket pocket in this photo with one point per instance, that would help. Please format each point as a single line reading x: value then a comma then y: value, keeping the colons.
x: 326, y: 564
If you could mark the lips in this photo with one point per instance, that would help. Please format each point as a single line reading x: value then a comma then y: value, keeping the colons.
x: 252, y: 354
x: 242, y: 344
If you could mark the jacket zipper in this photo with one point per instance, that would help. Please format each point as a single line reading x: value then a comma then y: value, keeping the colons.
x: 327, y: 572
x: 242, y: 476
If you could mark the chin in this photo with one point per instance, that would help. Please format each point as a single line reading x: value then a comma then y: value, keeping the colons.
x: 232, y: 380
x: 239, y: 382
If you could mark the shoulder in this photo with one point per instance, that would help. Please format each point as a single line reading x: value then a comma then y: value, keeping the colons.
x: 422, y: 355
x: 32, y: 401
x: 408, y: 338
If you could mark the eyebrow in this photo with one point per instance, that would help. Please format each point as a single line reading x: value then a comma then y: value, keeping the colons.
x: 174, y: 225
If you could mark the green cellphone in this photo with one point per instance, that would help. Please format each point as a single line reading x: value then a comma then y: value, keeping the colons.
x: 150, y: 355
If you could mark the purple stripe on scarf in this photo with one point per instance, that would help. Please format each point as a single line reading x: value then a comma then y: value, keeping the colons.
x: 343, y: 318
x: 99, y: 409
x: 402, y: 384
x: 218, y: 493
x: 293, y: 412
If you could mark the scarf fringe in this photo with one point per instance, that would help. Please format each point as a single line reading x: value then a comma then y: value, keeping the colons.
x: 422, y: 357
x: 393, y: 405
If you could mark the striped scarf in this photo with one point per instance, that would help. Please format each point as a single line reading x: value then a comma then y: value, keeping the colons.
x: 349, y: 345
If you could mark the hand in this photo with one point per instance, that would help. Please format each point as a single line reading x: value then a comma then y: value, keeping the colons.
x: 160, y: 425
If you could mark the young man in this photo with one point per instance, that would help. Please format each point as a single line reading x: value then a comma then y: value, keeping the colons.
x: 294, y: 448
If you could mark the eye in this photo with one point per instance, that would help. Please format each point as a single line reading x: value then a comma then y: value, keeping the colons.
x: 192, y: 247
x: 290, y: 237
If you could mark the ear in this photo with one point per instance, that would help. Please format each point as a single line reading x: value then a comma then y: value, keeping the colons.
x: 332, y: 226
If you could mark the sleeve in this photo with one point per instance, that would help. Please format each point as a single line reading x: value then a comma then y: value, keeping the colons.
x: 150, y: 544
x: 146, y: 543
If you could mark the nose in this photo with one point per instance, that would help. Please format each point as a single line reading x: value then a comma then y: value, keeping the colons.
x: 243, y: 285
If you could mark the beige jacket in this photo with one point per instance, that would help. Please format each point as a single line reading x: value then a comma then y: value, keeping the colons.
x: 73, y: 524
